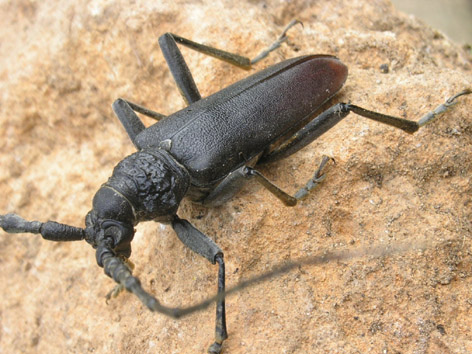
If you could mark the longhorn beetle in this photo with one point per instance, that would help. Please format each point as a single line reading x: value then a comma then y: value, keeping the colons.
x: 206, y: 152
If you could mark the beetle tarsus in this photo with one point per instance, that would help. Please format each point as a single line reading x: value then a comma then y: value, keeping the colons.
x: 466, y: 91
x: 282, y: 38
x: 220, y: 327
x: 114, y: 293
x: 317, y: 178
x: 442, y: 108
x: 215, y: 348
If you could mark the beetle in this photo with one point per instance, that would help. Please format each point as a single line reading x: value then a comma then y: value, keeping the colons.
x: 207, y: 152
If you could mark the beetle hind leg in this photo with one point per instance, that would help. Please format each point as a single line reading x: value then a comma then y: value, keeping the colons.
x: 334, y: 114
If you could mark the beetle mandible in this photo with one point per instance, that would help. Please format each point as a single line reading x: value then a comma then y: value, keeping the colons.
x: 206, y: 152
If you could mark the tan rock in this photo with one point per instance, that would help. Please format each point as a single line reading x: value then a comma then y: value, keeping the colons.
x: 63, y: 64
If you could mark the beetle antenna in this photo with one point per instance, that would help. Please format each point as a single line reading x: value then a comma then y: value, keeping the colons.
x: 319, y: 259
x: 50, y: 230
x: 115, y: 267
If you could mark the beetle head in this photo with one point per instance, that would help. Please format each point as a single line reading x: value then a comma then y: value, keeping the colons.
x: 112, y: 220
x: 147, y: 185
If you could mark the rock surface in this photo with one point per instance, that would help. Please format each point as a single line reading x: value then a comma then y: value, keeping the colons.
x: 62, y: 65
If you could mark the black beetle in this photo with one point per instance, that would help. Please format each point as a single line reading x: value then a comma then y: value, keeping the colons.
x: 206, y: 152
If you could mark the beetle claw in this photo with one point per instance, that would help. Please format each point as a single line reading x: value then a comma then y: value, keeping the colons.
x: 113, y: 293
x: 290, y: 25
x: 215, y: 348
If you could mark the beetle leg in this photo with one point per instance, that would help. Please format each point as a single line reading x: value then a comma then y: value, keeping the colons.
x: 178, y: 67
x: 227, y: 188
x: 236, y: 179
x: 317, y: 178
x: 130, y: 120
x: 220, y: 327
x: 286, y: 198
x: 143, y: 110
x: 204, y: 246
x: 282, y: 38
x: 333, y: 115
x: 124, y: 110
x: 314, y: 129
x: 180, y: 71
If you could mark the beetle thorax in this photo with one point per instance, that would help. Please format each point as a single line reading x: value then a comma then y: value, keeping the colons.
x: 153, y: 183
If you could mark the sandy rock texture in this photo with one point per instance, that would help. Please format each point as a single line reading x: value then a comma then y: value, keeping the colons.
x: 62, y: 65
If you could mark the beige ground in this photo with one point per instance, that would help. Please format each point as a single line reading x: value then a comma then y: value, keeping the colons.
x: 62, y: 65
x: 453, y: 17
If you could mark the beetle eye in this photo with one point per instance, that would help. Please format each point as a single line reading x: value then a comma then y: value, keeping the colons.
x: 114, y: 232
x: 120, y: 232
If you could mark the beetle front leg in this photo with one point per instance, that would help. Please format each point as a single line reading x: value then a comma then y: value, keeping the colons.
x: 204, y: 246
x: 220, y: 327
